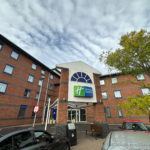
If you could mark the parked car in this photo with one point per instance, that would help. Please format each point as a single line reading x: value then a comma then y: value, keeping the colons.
x: 118, y: 140
x: 133, y: 125
x: 32, y: 139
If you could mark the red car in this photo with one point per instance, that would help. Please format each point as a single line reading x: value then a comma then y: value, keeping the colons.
x: 134, y: 125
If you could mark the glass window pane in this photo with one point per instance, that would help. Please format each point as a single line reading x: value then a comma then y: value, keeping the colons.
x: 40, y: 82
x: 37, y: 95
x: 30, y: 78
x: 6, y: 144
x: 27, y: 93
x: 8, y: 69
x: 117, y: 94
x: 108, y: 114
x: 34, y: 66
x: 22, y: 111
x: 82, y: 115
x: 42, y: 72
x: 102, y: 82
x: 119, y: 113
x: 14, y: 55
x: 114, y: 80
x: 23, y: 140
x: 1, y: 45
x: 145, y: 91
x: 50, y: 86
x: 104, y: 95
x: 51, y: 77
x: 140, y: 77
x: 3, y: 87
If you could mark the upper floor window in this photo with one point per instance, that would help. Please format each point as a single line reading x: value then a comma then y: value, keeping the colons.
x: 48, y: 97
x: 37, y: 95
x: 14, y: 55
x: 3, y: 87
x: 1, y: 45
x: 140, y: 77
x: 51, y: 77
x: 22, y: 111
x: 34, y: 66
x: 81, y: 77
x: 9, y: 69
x: 42, y: 71
x: 31, y: 78
x: 104, y: 95
x: 120, y: 113
x: 40, y: 82
x: 102, y: 82
x: 114, y: 80
x: 50, y: 86
x: 145, y: 91
x: 27, y: 93
x: 117, y: 94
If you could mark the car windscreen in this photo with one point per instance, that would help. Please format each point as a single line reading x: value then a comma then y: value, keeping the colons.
x: 139, y: 126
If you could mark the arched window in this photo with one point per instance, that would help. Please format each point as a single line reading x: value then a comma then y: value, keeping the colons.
x: 81, y: 77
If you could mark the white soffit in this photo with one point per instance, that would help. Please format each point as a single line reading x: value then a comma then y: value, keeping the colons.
x: 78, y: 65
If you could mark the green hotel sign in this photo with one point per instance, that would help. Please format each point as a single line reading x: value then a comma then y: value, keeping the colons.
x: 83, y: 91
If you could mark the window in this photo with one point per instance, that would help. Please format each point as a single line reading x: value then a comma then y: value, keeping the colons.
x: 140, y: 77
x: 43, y: 72
x: 114, y: 80
x: 50, y: 86
x: 33, y: 114
x: 117, y: 94
x: 6, y: 144
x: 9, y: 69
x: 107, y: 110
x: 102, y: 82
x: 1, y: 45
x: 14, y: 55
x: 104, y: 95
x: 3, y: 87
x: 51, y: 77
x: 34, y: 66
x: 22, y: 111
x: 27, y: 93
x: 23, y: 140
x: 120, y: 113
x: 40, y: 82
x: 37, y: 95
x: 48, y: 96
x: 145, y: 91
x: 41, y: 136
x: 31, y: 78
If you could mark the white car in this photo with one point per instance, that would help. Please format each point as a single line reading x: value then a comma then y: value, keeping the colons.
x: 119, y: 140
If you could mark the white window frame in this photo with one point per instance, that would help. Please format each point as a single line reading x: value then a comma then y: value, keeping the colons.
x: 7, y: 69
x: 102, y: 82
x: 14, y: 55
x: 147, y: 91
x: 43, y: 72
x: 31, y: 78
x: 3, y: 87
x: 34, y: 66
x: 40, y: 82
x: 114, y: 80
x: 140, y: 77
x: 104, y: 96
x: 117, y: 92
x: 51, y: 76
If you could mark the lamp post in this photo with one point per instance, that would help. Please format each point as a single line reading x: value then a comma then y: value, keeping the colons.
x: 42, y: 78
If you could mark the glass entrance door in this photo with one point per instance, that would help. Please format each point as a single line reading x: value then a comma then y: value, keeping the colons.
x: 77, y: 114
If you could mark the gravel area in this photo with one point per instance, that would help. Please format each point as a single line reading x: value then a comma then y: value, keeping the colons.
x: 88, y: 142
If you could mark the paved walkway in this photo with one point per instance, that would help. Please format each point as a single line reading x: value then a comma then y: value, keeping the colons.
x: 88, y: 142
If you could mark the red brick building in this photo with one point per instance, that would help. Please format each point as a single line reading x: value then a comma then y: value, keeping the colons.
x: 21, y: 80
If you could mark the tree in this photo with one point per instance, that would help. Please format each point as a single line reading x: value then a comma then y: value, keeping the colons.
x: 133, y: 57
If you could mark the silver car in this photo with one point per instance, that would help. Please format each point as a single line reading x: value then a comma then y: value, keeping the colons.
x: 120, y: 140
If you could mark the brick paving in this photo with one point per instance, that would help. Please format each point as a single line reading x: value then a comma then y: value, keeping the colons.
x: 88, y: 142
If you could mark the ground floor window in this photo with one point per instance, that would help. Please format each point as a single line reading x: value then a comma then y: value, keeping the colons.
x: 77, y: 114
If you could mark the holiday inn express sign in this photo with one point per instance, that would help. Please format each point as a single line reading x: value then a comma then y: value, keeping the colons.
x: 83, y: 91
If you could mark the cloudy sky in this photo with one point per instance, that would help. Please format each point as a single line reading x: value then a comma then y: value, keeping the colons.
x: 59, y: 31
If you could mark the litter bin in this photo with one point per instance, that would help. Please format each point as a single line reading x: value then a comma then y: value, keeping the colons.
x: 72, y: 134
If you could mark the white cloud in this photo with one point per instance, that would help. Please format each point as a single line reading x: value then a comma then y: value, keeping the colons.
x: 69, y: 30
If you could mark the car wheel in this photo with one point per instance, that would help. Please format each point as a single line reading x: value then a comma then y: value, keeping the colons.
x: 66, y: 147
